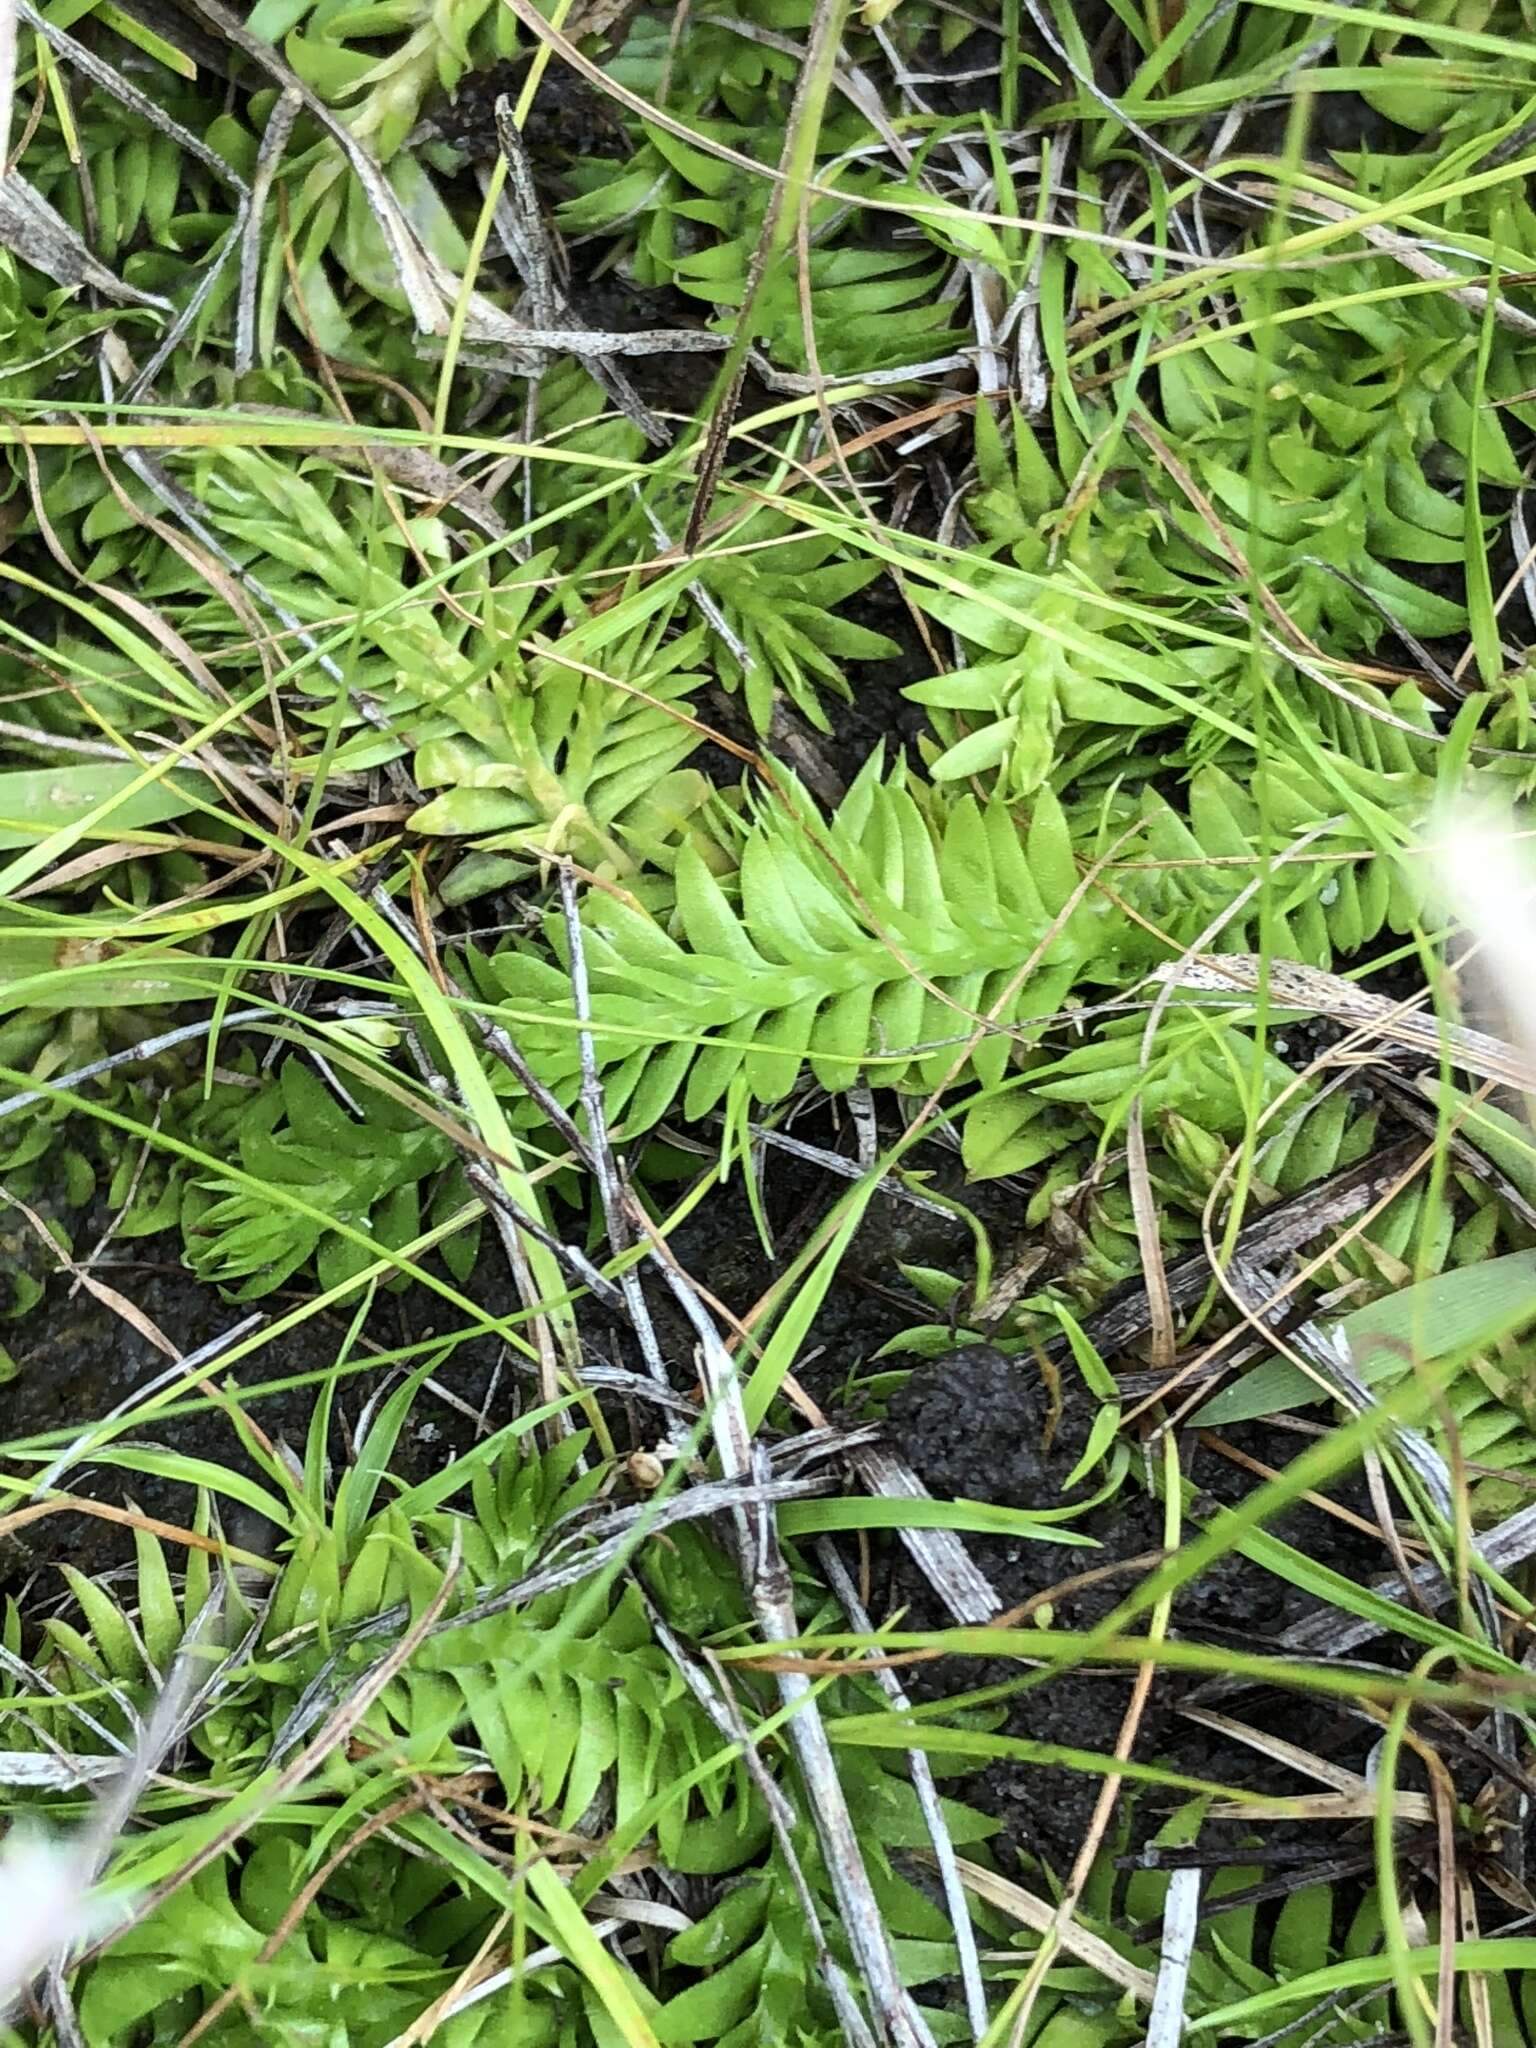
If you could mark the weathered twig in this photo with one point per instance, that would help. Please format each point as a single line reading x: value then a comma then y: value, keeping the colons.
x: 1330, y: 1633
x: 938, y: 1554
x: 38, y: 233
x: 840, y: 1579
x: 7, y: 81
x: 496, y: 1039
x: 285, y: 112
x: 1290, y: 985
x: 621, y: 1234
x: 184, y: 1366
x: 509, y: 1215
x: 617, y: 1535
x: 855, y: 2028
x: 1276, y: 1231
x: 766, y: 1579
x: 1181, y: 1920
x: 520, y: 226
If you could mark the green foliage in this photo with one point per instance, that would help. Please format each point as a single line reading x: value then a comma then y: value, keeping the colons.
x: 870, y: 944
x: 332, y: 1971
x: 1040, y: 689
x: 549, y: 759
x: 42, y: 335
x: 688, y: 219
x: 384, y: 94
x: 309, y: 1164
x: 1366, y: 410
x: 752, y: 1988
x: 882, y: 941
x: 783, y: 606
x: 582, y: 1718
x: 1201, y: 515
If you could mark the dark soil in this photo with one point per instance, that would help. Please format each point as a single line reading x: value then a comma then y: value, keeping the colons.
x: 568, y: 118
x: 974, y: 1424
x: 77, y: 1360
x: 978, y: 1425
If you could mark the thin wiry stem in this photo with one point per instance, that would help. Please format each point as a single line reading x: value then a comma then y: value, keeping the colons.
x: 510, y: 1215
x: 765, y: 1576
x: 855, y: 2028
x: 7, y: 79
x: 1181, y: 1922
x: 132, y: 1055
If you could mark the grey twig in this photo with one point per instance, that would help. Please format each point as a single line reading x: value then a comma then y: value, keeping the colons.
x: 519, y: 222
x: 688, y: 1505
x: 496, y: 1039
x: 1272, y: 1233
x: 725, y: 1721
x: 766, y: 1578
x: 510, y: 1215
x: 600, y: 1151
x: 1181, y: 1922
x: 938, y: 1554
x: 840, y: 1579
x: 855, y: 2029
x: 1327, y: 1352
x: 891, y: 1186
x: 634, y: 1386
x: 273, y: 143
x: 112, y: 81
x: 147, y: 1049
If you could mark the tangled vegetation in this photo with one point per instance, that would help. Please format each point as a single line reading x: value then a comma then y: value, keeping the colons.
x: 635, y: 640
